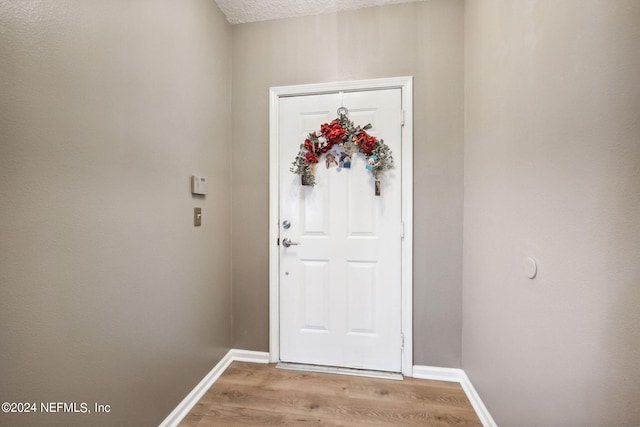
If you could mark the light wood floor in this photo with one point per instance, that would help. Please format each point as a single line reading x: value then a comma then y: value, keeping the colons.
x: 261, y: 395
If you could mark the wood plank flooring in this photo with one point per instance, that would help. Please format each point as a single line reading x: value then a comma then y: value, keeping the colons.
x: 249, y: 394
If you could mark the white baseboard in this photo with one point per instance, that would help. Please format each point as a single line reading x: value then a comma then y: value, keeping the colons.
x: 199, y: 390
x: 458, y: 376
x: 249, y: 356
x: 438, y: 374
x: 476, y: 402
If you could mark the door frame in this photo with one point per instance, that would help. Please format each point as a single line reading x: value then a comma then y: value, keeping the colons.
x: 405, y: 84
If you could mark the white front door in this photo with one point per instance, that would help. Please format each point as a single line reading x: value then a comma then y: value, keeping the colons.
x: 340, y: 288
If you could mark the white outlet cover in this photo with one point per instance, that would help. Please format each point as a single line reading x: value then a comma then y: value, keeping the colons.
x: 530, y: 267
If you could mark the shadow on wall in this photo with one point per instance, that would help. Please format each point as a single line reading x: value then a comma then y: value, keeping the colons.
x: 618, y: 340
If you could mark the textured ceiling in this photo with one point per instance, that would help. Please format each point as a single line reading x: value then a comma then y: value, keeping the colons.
x: 240, y: 11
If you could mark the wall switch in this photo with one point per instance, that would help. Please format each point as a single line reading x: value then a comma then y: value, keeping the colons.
x: 197, y: 217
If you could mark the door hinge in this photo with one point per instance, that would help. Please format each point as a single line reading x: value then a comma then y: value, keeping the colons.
x: 402, y: 118
x: 401, y: 341
x: 278, y: 242
x: 402, y: 230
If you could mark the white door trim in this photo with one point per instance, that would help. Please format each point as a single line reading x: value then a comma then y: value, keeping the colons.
x: 275, y: 93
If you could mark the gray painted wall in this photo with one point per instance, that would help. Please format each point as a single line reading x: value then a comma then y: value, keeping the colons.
x: 552, y: 171
x: 109, y: 294
x: 423, y: 39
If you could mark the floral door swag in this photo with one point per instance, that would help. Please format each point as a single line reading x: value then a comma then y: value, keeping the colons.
x: 350, y: 139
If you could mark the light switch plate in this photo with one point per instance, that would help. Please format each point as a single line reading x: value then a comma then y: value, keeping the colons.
x: 197, y: 217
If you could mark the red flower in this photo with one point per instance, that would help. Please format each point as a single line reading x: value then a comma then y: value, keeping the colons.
x: 368, y: 146
x: 333, y: 132
x: 365, y: 142
x: 311, y: 158
x: 308, y: 145
x: 326, y: 147
x: 359, y: 138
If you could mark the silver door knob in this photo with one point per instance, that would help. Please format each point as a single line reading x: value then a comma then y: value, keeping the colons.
x: 287, y: 242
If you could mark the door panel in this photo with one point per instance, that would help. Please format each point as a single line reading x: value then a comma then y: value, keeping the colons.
x: 361, y: 305
x: 340, y: 288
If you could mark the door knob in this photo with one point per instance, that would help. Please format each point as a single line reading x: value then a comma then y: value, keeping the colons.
x: 287, y: 242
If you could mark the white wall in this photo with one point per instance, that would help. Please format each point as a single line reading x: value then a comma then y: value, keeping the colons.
x: 552, y: 171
